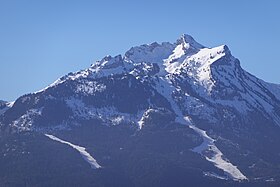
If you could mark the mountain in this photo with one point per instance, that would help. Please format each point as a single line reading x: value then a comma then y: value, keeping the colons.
x: 4, y: 106
x: 2, y: 103
x: 169, y: 114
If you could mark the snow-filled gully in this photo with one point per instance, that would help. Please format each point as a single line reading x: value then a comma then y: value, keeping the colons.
x: 86, y: 156
x: 166, y: 88
x: 217, y: 156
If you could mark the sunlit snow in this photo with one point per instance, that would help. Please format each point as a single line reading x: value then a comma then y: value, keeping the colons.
x: 216, y: 156
x: 86, y: 156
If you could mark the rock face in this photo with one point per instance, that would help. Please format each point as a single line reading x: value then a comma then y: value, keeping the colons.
x: 171, y: 114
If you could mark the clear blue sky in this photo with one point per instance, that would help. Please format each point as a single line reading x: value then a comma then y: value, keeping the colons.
x: 43, y: 40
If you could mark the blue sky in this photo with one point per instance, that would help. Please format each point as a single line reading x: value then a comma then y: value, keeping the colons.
x: 43, y: 40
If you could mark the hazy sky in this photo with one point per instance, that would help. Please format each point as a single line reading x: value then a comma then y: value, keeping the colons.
x: 43, y: 40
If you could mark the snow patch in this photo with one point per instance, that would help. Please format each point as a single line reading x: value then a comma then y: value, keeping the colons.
x: 141, y: 122
x: 90, y: 87
x: 216, y: 156
x: 165, y: 88
x: 108, y: 115
x: 24, y: 123
x: 86, y: 156
x: 10, y: 104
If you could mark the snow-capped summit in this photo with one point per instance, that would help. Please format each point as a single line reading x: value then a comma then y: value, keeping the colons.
x: 151, y: 53
x: 110, y: 62
x: 212, y: 73
x: 189, y: 42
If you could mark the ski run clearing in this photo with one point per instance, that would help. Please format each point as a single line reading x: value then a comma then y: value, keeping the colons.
x: 86, y: 156
x: 217, y: 158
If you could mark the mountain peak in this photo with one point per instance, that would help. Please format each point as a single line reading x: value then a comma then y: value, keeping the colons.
x: 187, y: 41
x: 224, y: 49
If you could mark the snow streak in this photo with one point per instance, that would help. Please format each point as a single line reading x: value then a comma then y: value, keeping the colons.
x: 86, y: 156
x: 216, y: 157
